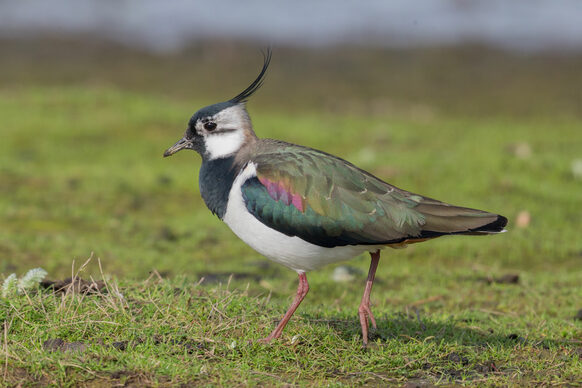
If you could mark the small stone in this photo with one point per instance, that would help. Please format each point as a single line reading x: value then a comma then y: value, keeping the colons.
x: 295, y: 339
x: 345, y: 273
x: 523, y: 219
x: 521, y: 150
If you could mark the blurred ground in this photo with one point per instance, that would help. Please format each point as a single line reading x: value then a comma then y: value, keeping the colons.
x: 465, y: 81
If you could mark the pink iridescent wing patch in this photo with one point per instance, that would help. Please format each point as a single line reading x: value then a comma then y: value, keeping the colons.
x: 278, y: 192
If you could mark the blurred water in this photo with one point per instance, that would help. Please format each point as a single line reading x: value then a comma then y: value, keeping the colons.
x: 169, y: 25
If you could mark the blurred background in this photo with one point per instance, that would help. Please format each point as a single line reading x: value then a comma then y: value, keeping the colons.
x: 477, y: 103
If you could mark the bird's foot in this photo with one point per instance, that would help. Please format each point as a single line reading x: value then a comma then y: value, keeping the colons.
x: 366, y: 317
x: 274, y: 335
x: 265, y: 340
x: 366, y: 314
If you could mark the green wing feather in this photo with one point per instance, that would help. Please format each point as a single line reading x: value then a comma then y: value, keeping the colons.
x: 330, y: 202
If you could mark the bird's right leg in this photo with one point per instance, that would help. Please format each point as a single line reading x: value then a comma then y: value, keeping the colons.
x: 302, y: 290
x: 364, y: 310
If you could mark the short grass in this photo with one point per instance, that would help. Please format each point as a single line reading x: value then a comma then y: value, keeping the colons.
x: 81, y: 175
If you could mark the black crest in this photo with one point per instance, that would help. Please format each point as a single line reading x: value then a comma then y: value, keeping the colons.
x: 257, y: 83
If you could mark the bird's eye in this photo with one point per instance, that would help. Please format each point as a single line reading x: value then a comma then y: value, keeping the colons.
x: 210, y: 126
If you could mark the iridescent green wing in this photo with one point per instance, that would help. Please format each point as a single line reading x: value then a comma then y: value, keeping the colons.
x: 330, y: 202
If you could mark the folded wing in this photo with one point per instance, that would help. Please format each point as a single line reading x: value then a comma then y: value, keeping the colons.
x: 329, y: 202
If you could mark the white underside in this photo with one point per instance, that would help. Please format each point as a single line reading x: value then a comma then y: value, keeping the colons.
x: 292, y: 252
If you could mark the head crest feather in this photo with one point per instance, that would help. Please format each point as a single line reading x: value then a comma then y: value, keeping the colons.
x: 257, y: 83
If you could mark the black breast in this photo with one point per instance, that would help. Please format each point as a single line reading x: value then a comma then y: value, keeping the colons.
x: 215, y: 180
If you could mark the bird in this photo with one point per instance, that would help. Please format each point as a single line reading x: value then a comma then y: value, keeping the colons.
x: 304, y: 208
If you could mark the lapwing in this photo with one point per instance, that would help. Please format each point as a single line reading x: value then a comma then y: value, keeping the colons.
x: 305, y: 208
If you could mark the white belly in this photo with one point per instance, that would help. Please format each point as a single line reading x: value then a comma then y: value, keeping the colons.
x: 292, y: 252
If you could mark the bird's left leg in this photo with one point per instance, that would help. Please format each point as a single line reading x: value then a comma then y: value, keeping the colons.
x: 302, y: 290
x: 364, y: 310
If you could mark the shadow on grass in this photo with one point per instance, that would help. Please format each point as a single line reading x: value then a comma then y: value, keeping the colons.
x: 472, y: 356
x: 413, y: 327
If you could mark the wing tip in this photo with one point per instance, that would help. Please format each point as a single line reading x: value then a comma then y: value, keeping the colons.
x: 497, y: 226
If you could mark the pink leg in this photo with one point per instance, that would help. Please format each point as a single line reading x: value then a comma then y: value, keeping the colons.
x: 364, y: 310
x: 302, y: 290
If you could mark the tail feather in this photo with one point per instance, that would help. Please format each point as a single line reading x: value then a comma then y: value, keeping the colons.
x: 497, y: 226
x: 443, y: 219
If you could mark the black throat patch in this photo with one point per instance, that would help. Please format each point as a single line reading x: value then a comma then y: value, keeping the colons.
x: 215, y: 181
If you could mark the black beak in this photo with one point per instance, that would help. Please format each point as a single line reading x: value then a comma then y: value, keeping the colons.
x: 180, y: 145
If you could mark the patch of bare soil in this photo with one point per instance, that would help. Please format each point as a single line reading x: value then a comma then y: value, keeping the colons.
x: 510, y: 278
x: 458, y: 368
x: 57, y: 344
x: 75, y: 285
x: 189, y: 346
x: 21, y: 377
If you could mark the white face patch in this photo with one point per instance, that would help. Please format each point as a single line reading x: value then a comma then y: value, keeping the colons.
x: 223, y: 144
x: 228, y: 137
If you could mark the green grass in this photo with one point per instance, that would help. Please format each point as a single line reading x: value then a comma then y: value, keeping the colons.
x: 81, y: 174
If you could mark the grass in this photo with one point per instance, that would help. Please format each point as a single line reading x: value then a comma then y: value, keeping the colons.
x: 176, y: 331
x: 81, y: 174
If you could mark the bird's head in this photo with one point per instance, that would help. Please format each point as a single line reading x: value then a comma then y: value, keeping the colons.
x: 220, y: 130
